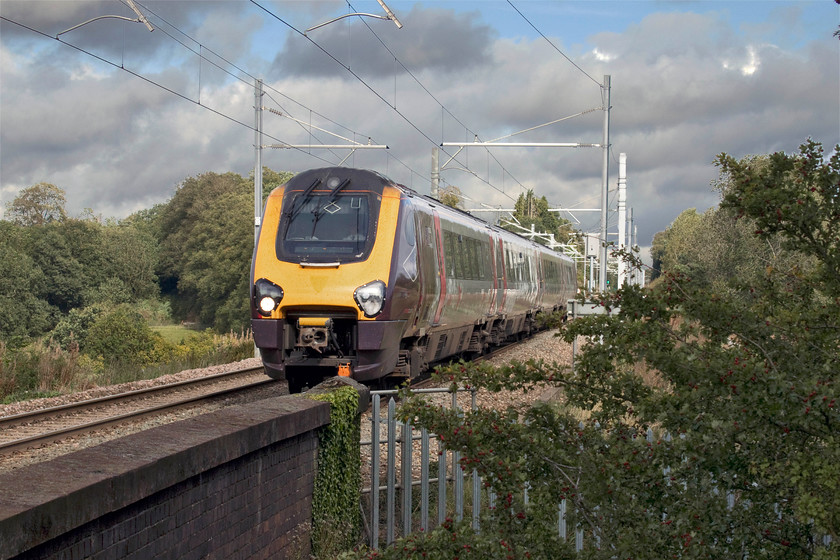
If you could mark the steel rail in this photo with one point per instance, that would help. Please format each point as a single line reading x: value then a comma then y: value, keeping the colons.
x: 81, y: 406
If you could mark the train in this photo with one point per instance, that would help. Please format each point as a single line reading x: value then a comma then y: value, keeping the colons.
x: 356, y: 275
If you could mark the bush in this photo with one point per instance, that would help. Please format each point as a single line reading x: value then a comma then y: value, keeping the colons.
x: 72, y: 329
x: 120, y: 336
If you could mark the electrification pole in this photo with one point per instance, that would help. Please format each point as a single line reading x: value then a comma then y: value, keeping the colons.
x: 258, y: 126
x: 435, y: 172
x: 622, y: 216
x: 605, y: 145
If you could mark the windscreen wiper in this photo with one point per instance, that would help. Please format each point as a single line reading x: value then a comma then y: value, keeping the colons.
x: 337, y: 189
x: 301, y: 199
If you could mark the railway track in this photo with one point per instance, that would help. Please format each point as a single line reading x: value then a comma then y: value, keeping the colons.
x: 31, y: 429
x: 426, y: 382
x: 20, y: 432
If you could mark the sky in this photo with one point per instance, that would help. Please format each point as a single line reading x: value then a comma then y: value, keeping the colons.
x: 118, y: 116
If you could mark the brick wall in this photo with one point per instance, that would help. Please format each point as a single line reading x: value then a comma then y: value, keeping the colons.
x: 236, y: 483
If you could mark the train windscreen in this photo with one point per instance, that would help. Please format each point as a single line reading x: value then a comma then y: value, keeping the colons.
x: 326, y: 228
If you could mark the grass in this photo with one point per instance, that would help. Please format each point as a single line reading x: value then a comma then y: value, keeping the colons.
x: 173, y: 334
x: 41, y: 369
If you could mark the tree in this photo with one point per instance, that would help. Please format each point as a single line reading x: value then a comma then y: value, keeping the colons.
x: 271, y: 180
x: 36, y: 205
x: 216, y: 264
x: 24, y: 311
x: 131, y: 259
x: 711, y: 417
x: 451, y: 196
x: 189, y: 208
x: 673, y: 250
x: 206, y: 237
x: 532, y: 211
x: 71, y: 257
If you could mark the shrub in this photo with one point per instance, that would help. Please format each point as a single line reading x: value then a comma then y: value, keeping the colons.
x: 73, y: 328
x: 120, y: 336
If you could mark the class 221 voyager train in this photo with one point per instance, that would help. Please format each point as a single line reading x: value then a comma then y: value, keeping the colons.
x: 356, y: 275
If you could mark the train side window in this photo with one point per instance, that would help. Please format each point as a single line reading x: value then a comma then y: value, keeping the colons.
x: 471, y: 258
x: 409, y: 228
x: 484, y: 260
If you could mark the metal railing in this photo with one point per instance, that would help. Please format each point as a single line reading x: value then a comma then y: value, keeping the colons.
x: 400, y: 440
x: 400, y: 479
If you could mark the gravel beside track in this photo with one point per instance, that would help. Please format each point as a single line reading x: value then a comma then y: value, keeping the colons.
x: 543, y: 346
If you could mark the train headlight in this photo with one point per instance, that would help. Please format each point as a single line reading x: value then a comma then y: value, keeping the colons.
x: 370, y: 298
x: 267, y: 296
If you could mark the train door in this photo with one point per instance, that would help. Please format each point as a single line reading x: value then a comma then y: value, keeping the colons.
x: 501, y: 280
x: 495, y: 298
x: 429, y: 268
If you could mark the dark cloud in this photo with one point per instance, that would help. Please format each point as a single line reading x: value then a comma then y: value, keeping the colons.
x: 685, y: 87
x: 432, y: 39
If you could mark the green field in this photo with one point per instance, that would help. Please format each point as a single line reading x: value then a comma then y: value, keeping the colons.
x: 173, y: 334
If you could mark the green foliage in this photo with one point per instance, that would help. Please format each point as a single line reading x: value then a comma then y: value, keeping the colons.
x: 530, y: 210
x: 52, y: 268
x: 37, y: 370
x: 335, y: 502
x: 24, y: 311
x: 797, y: 197
x: 120, y: 335
x: 691, y: 396
x: 674, y: 249
x: 131, y: 257
x: 216, y: 262
x: 271, y: 180
x: 206, y: 238
x: 72, y: 330
x: 514, y: 538
x: 451, y: 196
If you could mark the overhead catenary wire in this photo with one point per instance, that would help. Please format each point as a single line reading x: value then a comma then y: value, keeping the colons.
x: 368, y: 86
x: 147, y: 80
x: 202, y: 52
x: 265, y: 85
x: 442, y: 106
x: 556, y: 48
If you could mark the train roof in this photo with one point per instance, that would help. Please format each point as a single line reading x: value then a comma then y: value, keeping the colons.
x: 306, y: 178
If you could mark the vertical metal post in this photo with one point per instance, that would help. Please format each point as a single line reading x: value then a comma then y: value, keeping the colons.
x: 622, y: 215
x: 258, y: 122
x: 605, y: 176
x: 631, y: 243
x: 424, y: 480
x: 476, y: 497
x: 435, y: 172
x: 374, y: 473
x: 441, y: 483
x: 457, y: 473
x: 391, y: 475
x: 561, y: 520
x: 406, y: 477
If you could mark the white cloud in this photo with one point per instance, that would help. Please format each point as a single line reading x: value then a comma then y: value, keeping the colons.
x: 602, y: 56
x: 747, y: 64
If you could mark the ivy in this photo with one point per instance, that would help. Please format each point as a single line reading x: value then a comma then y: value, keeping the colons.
x: 335, y: 504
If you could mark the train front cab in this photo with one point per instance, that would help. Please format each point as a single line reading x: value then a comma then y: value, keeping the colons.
x: 320, y: 277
